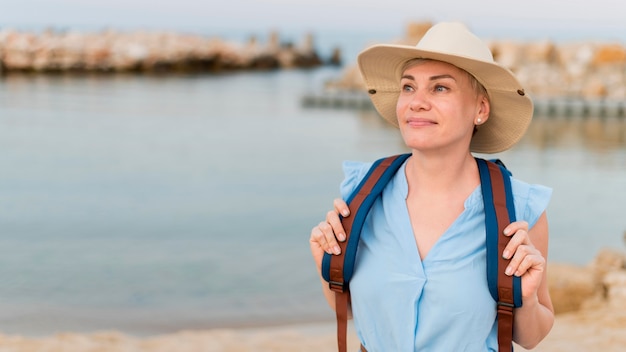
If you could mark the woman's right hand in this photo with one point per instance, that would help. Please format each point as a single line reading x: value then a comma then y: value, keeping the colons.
x: 325, y: 236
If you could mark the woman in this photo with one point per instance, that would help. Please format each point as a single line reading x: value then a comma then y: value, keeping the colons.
x: 419, y: 282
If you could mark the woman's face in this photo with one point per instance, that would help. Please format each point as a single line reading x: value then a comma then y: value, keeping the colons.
x: 438, y: 108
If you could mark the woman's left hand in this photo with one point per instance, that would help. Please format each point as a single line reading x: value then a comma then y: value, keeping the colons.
x: 526, y: 260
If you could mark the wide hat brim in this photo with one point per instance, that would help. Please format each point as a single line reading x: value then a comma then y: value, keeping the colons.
x: 511, y: 109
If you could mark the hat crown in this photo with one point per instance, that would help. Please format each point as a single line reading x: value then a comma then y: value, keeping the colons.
x: 455, y: 39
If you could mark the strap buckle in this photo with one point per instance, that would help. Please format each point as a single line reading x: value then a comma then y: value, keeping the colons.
x: 337, y: 286
x: 505, y: 308
x: 506, y: 304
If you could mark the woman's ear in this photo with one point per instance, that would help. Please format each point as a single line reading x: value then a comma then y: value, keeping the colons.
x: 483, y: 109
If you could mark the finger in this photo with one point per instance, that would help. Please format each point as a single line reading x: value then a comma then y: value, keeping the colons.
x: 522, y: 254
x: 513, y: 227
x: 333, y: 219
x: 530, y: 262
x: 341, y: 207
x: 331, y: 245
x: 317, y: 244
x: 520, y: 237
x: 531, y: 259
x: 317, y: 237
x: 513, y: 266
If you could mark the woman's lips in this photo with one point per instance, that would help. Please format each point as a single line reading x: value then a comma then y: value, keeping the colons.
x: 419, y: 121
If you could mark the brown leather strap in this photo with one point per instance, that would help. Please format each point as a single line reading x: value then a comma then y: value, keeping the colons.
x: 341, y: 311
x: 337, y: 284
x: 337, y: 261
x: 505, y: 283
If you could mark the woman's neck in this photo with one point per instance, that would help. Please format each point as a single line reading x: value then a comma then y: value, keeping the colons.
x: 442, y: 173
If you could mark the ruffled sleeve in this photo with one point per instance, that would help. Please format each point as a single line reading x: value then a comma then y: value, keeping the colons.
x: 354, y: 172
x: 531, y: 201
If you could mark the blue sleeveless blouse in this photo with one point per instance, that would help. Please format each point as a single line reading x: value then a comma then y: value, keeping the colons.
x: 442, y: 303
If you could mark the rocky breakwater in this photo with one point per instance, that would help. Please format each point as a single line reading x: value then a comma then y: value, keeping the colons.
x: 590, y: 303
x: 568, y: 73
x: 589, y: 70
x: 141, y: 51
x: 600, y: 283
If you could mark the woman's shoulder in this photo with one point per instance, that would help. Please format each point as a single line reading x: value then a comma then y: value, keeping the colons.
x: 354, y: 172
x: 525, y: 190
x: 531, y: 200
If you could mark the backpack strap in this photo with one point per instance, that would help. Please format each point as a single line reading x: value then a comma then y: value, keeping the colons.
x: 499, y: 212
x: 337, y: 269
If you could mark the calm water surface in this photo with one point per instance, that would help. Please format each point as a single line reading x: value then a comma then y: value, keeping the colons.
x: 151, y: 204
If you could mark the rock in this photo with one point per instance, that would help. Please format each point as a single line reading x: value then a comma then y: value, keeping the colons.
x: 587, y: 287
x: 308, y: 44
x: 507, y: 53
x: 607, y: 260
x: 335, y: 58
x: 575, y: 59
x: 350, y: 80
x: 415, y: 31
x: 274, y: 42
x: 585, y: 71
x: 570, y: 286
x: 543, y: 79
x: 514, y: 55
x: 18, y: 51
x: 609, y: 54
x: 595, y: 88
x: 609, y: 273
x: 615, y: 282
x: 542, y: 51
x: 111, y: 51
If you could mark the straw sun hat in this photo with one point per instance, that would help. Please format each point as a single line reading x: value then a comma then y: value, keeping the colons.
x: 511, y: 110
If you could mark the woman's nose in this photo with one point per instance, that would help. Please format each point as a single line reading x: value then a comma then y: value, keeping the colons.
x: 419, y: 101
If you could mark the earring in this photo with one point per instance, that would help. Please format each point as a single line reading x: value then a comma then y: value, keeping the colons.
x: 479, y: 121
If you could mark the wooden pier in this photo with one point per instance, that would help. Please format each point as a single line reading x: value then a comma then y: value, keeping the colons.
x: 561, y: 107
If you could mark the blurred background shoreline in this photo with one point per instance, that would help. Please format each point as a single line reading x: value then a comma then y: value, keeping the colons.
x: 154, y: 203
x: 181, y: 198
x: 574, y: 73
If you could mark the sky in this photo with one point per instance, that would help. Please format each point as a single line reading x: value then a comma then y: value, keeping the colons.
x: 551, y: 19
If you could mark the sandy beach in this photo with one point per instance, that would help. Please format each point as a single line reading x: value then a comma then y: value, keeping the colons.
x: 599, y: 329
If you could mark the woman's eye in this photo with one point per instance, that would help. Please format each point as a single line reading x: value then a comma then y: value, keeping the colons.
x: 407, y: 88
x: 440, y: 88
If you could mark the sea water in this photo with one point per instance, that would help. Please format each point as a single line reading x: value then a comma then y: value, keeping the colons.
x: 151, y: 204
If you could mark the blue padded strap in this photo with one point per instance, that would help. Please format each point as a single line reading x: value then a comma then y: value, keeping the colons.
x: 361, y: 213
x: 491, y: 227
